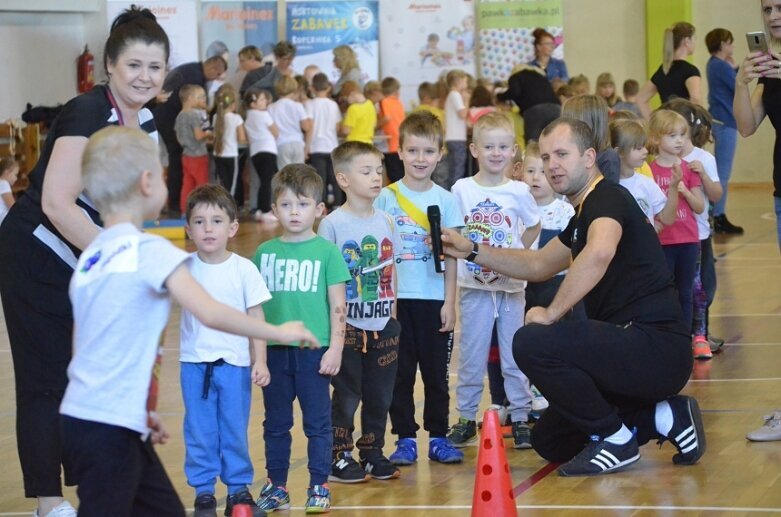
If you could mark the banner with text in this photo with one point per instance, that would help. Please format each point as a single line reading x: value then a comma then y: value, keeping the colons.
x: 237, y: 24
x: 421, y: 41
x: 178, y: 18
x: 317, y: 27
x: 505, y: 31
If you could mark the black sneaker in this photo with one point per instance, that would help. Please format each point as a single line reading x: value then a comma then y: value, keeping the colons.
x: 205, y: 506
x: 242, y: 497
x: 463, y: 433
x: 522, y: 435
x: 380, y: 467
x: 345, y: 469
x: 601, y: 457
x: 687, y: 433
x: 722, y: 225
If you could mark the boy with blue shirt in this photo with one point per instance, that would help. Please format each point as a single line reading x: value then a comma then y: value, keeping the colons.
x: 216, y: 366
x: 307, y: 277
x: 425, y: 299
x: 370, y: 359
x: 109, y: 419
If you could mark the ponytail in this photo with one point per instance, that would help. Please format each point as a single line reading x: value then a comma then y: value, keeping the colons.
x: 226, y: 96
x: 668, y: 51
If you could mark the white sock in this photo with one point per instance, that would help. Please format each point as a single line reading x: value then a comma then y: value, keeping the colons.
x: 620, y: 437
x: 664, y: 418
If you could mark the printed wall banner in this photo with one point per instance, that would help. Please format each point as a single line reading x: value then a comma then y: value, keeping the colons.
x: 423, y: 40
x: 317, y: 27
x: 237, y: 24
x: 506, y: 33
x: 178, y: 18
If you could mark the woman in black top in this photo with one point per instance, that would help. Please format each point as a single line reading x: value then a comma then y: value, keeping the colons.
x: 675, y: 77
x: 531, y: 91
x: 46, y: 230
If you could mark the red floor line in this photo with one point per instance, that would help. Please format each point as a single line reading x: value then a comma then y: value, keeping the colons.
x: 535, y: 478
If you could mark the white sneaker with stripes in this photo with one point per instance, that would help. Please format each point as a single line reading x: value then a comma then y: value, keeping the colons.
x: 601, y: 457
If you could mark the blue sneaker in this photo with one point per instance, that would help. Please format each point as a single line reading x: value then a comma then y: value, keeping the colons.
x: 273, y: 498
x: 318, y: 499
x: 406, y: 452
x: 441, y: 450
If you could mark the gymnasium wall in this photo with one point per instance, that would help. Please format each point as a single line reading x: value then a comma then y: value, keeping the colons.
x: 38, y: 52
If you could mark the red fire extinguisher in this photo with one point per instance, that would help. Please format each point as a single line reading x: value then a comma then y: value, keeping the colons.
x: 85, y: 71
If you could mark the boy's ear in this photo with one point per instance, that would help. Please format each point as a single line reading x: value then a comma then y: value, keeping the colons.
x: 187, y: 230
x: 341, y: 179
x: 145, y: 183
x: 473, y: 149
x: 319, y: 209
x: 232, y: 229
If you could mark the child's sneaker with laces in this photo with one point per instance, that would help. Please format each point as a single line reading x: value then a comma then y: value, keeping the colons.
x: 770, y: 431
x: 242, y: 497
x: 318, y: 499
x: 601, y: 457
x: 442, y: 451
x: 687, y: 433
x: 463, y: 433
x: 522, y: 435
x: 406, y: 452
x: 701, y: 348
x: 273, y: 498
x: 345, y: 469
x: 380, y: 467
x: 205, y: 505
x: 64, y: 509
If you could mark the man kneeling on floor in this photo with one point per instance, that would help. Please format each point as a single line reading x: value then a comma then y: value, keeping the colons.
x: 612, y: 380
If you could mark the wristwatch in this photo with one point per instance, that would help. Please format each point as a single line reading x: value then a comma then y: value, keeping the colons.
x: 473, y: 255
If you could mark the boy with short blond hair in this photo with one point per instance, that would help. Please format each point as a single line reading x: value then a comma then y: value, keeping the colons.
x: 425, y: 298
x: 192, y: 137
x: 391, y: 117
x: 109, y: 420
x: 498, y: 212
x: 307, y: 276
x: 365, y: 236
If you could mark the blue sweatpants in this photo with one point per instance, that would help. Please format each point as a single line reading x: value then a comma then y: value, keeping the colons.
x: 215, y: 428
x: 294, y: 374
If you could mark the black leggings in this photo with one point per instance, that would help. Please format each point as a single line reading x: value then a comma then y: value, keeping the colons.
x: 597, y: 376
x: 265, y: 166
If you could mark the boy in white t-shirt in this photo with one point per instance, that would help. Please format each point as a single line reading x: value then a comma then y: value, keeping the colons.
x: 498, y: 212
x: 456, y: 111
x: 292, y: 122
x: 120, y: 291
x: 215, y: 366
x: 323, y: 138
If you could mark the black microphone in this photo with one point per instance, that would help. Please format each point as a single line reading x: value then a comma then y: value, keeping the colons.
x: 435, y: 221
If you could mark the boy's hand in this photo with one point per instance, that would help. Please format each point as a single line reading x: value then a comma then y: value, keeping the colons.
x: 159, y: 433
x: 677, y: 174
x: 454, y: 244
x: 293, y: 331
x: 260, y: 374
x: 331, y: 362
x: 448, y: 316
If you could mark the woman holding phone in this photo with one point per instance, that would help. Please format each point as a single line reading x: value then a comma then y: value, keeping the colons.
x: 750, y: 110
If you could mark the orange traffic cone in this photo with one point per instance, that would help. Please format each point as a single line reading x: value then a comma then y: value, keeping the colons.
x: 493, y: 496
x: 241, y: 510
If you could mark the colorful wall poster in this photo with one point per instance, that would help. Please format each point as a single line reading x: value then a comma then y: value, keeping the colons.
x: 317, y: 27
x: 238, y: 24
x: 505, y: 33
x: 421, y: 41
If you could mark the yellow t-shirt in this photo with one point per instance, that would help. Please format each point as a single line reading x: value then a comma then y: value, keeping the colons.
x: 361, y: 118
x: 645, y: 170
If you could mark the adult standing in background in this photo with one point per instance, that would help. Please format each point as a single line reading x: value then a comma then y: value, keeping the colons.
x: 533, y: 94
x: 675, y: 77
x: 165, y: 116
x: 284, y: 52
x: 721, y: 72
x: 544, y: 45
x: 346, y: 61
x: 44, y: 233
x: 251, y: 68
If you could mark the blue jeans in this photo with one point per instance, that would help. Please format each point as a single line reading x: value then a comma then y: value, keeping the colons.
x: 215, y: 428
x: 682, y: 262
x: 726, y: 140
x: 294, y: 373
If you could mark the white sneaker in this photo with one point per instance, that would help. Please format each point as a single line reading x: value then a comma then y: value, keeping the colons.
x: 770, y: 431
x: 539, y: 403
x: 64, y: 509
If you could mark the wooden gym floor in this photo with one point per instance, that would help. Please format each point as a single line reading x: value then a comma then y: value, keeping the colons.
x: 734, y: 390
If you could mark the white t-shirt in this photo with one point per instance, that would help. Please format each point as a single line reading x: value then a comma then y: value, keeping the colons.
x: 494, y: 216
x: 236, y: 282
x: 647, y: 193
x: 455, y: 126
x: 120, y: 309
x: 709, y: 163
x: 230, y: 142
x: 554, y: 218
x: 258, y: 135
x: 325, y: 116
x: 288, y: 114
x: 5, y: 188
